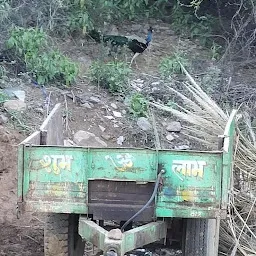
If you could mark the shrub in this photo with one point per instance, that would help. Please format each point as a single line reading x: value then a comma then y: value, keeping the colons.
x: 31, y: 47
x: 113, y: 75
x: 3, y: 97
x: 138, y: 105
x: 170, y: 66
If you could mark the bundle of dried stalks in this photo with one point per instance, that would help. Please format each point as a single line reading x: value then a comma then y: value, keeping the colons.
x: 206, y: 120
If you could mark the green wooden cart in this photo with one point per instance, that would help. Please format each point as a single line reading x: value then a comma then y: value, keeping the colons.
x: 155, y: 195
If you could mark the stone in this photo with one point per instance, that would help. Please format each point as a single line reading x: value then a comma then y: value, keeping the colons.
x: 115, y: 234
x: 94, y: 99
x: 173, y: 127
x: 144, y: 124
x: 106, y: 136
x: 113, y: 105
x: 15, y: 105
x: 69, y: 143
x: 182, y: 147
x: 20, y: 95
x: 117, y: 114
x: 3, y: 119
x: 87, y: 105
x: 109, y: 117
x: 102, y: 128
x: 13, y: 91
x: 88, y: 139
x: 120, y: 140
x: 169, y: 137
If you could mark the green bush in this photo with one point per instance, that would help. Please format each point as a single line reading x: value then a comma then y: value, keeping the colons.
x: 31, y: 46
x: 3, y: 97
x: 170, y: 66
x: 85, y: 15
x: 112, y: 75
x: 52, y: 66
x: 26, y: 41
x: 181, y: 19
x: 138, y: 105
x: 187, y: 23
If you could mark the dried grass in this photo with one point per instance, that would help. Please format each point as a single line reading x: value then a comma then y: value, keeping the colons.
x: 206, y: 121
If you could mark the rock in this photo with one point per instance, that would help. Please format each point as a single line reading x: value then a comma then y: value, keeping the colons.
x: 87, y: 105
x: 120, y: 140
x: 144, y: 124
x: 155, y: 83
x: 13, y: 91
x: 123, y: 111
x: 173, y: 127
x: 169, y: 137
x: 94, y: 99
x: 182, y: 147
x: 106, y: 136
x: 69, y: 143
x: 15, y: 105
x: 102, y: 128
x: 3, y: 119
x: 109, y: 117
x: 115, y: 234
x: 113, y: 105
x: 20, y: 95
x: 88, y: 139
x: 117, y: 114
x: 116, y: 126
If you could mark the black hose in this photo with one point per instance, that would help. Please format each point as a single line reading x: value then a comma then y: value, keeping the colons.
x: 147, y: 204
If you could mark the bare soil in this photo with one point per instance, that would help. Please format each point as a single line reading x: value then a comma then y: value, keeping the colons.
x: 17, y: 237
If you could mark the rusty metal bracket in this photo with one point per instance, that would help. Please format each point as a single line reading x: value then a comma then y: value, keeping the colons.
x: 118, y: 242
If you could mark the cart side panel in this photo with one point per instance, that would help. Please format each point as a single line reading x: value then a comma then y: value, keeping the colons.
x: 55, y: 179
x: 191, y: 185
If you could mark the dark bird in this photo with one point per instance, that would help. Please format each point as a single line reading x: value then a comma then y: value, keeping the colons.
x: 135, y: 44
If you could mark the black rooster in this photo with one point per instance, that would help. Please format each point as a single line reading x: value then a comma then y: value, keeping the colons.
x: 135, y: 44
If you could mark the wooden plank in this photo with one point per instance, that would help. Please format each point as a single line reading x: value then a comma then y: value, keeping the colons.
x: 53, y: 127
